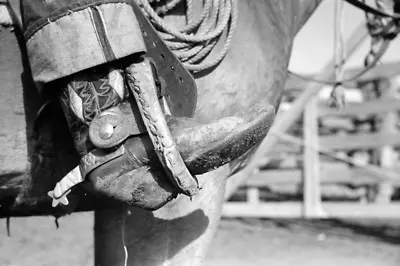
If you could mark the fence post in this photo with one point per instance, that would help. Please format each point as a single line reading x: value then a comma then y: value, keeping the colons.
x: 282, y: 123
x: 311, y: 162
x: 387, y: 153
x: 253, y: 195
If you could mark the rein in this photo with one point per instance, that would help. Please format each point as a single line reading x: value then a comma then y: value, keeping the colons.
x: 193, y: 44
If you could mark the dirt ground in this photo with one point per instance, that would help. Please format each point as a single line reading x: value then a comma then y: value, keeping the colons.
x: 36, y: 242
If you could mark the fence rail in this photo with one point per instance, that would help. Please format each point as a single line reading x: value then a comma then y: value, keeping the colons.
x: 295, y: 210
x: 312, y: 177
x: 363, y: 136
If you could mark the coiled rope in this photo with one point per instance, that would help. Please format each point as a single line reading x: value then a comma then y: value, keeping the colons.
x: 193, y: 44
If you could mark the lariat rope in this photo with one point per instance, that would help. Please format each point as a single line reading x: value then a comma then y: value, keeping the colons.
x: 193, y: 44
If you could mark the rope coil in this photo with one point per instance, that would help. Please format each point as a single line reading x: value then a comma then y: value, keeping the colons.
x: 194, y: 43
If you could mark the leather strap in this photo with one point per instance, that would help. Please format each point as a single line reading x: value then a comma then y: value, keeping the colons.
x: 141, y: 82
x: 181, y: 89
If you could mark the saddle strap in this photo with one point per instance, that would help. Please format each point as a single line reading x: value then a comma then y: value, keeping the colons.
x: 181, y: 88
x: 141, y: 82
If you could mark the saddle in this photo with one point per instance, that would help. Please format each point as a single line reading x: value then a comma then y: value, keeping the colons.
x: 145, y: 130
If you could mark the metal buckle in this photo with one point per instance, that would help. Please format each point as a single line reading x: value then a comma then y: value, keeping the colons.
x: 115, y: 125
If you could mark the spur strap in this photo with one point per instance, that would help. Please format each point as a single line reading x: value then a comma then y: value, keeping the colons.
x: 115, y: 125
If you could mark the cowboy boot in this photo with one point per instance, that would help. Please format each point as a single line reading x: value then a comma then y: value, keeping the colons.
x: 136, y: 145
x: 86, y: 95
x: 129, y: 168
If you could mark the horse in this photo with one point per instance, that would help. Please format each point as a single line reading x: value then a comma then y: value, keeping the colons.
x: 254, y: 68
x: 253, y: 72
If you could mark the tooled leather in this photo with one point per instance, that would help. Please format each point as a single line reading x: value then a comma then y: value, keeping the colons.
x: 94, y: 88
x: 96, y: 94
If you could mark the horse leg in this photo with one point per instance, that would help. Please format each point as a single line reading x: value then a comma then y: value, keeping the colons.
x: 177, y: 234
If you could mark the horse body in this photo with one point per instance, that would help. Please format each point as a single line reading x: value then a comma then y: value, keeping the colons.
x: 255, y: 68
x: 251, y: 76
x: 256, y: 65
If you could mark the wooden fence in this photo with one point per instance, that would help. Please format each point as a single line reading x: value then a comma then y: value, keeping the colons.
x: 298, y: 182
x: 354, y: 177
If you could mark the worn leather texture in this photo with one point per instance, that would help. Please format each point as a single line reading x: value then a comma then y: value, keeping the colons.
x: 180, y: 89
